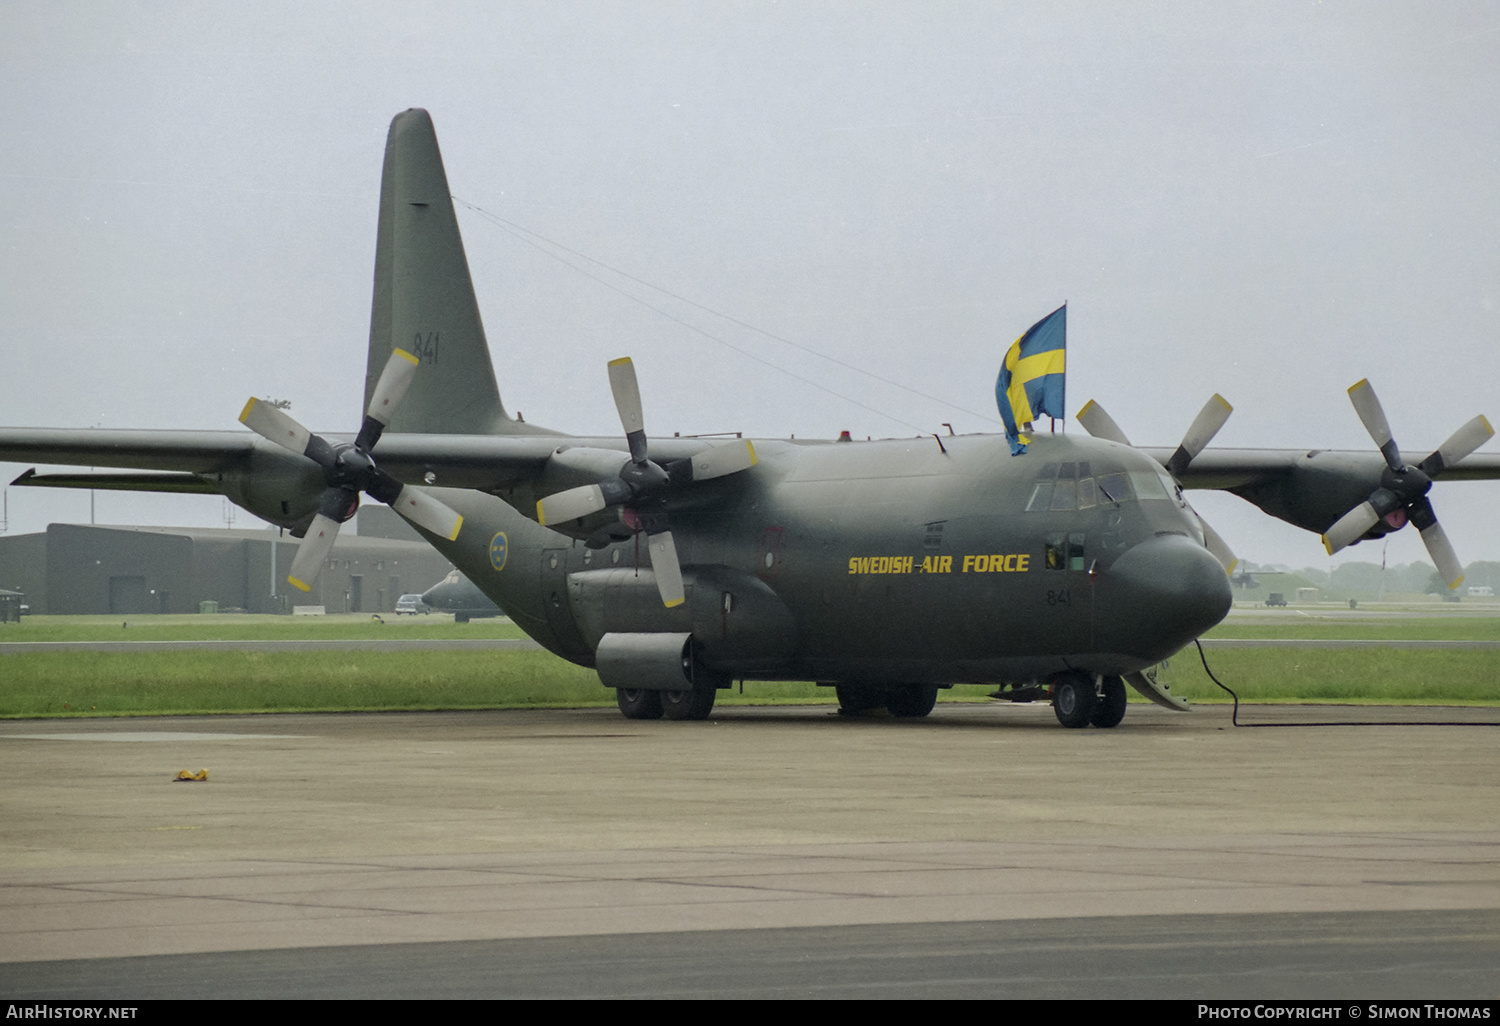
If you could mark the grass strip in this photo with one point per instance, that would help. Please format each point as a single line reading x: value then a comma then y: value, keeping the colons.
x: 1370, y: 676
x: 164, y: 683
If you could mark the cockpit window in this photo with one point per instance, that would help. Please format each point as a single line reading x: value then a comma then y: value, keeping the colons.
x: 1065, y: 491
x: 1041, y: 496
x: 1085, y: 493
x: 1148, y: 485
x: 1067, y: 486
x: 1114, y: 487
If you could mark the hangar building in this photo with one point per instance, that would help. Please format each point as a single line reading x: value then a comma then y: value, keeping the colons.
x: 83, y: 568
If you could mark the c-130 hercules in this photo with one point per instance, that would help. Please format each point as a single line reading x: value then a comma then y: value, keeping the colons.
x: 889, y: 569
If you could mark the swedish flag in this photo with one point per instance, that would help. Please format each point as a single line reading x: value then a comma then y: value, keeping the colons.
x: 1031, y: 382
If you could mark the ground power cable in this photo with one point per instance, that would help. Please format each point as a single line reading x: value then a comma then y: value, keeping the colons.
x: 1235, y: 718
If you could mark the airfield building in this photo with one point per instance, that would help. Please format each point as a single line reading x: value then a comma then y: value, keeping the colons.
x: 88, y: 569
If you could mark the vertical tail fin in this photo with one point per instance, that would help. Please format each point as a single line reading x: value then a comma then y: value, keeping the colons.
x: 424, y: 298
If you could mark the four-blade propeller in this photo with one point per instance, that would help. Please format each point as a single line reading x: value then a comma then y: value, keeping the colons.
x: 641, y: 485
x: 349, y: 470
x: 1207, y: 424
x: 1402, y: 494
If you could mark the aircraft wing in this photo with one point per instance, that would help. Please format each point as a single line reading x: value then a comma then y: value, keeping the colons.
x: 1311, y: 488
x: 1230, y: 469
x: 199, y: 460
x: 193, y: 452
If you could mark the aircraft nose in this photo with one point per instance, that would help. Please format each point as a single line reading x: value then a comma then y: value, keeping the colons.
x: 1158, y: 596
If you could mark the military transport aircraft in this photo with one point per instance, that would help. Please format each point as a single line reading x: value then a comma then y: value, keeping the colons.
x: 460, y: 596
x: 888, y: 569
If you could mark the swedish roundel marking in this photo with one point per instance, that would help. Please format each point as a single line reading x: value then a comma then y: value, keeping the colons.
x: 499, y: 549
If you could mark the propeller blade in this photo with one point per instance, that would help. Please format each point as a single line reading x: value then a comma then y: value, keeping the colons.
x: 666, y: 567
x: 275, y: 426
x: 1464, y: 441
x: 1207, y: 424
x: 400, y: 370
x: 428, y: 513
x: 628, y: 402
x: 313, y: 553
x: 722, y: 460
x: 1443, y: 556
x: 577, y: 502
x: 1100, y: 424
x: 1217, y: 548
x: 1372, y: 415
x: 1350, y: 527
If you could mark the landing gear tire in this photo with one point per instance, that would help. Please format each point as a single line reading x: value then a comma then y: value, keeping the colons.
x: 688, y: 705
x: 1073, y: 699
x: 1110, y: 709
x: 855, y: 699
x: 911, y: 702
x: 639, y: 704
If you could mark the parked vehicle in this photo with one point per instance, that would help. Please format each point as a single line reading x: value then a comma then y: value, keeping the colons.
x: 412, y: 604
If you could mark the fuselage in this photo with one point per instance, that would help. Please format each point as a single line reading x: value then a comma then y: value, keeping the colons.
x: 903, y: 560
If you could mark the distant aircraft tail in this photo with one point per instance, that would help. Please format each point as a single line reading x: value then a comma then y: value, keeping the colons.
x: 424, y: 298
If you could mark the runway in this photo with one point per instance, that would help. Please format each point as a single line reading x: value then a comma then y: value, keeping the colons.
x: 385, y: 853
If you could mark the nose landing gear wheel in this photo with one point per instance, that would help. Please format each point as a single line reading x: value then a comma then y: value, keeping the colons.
x: 1110, y: 709
x: 1073, y: 699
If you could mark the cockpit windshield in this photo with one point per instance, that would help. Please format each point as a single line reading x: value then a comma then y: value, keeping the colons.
x: 1074, y: 485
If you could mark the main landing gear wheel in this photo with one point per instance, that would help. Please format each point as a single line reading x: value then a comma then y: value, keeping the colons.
x: 639, y: 704
x: 1110, y: 709
x: 912, y: 701
x: 1073, y: 699
x: 688, y: 705
x: 855, y: 699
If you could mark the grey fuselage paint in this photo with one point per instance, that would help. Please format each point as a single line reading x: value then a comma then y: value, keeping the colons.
x: 891, y: 561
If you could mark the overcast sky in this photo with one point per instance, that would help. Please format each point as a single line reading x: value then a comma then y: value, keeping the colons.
x: 1266, y: 200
